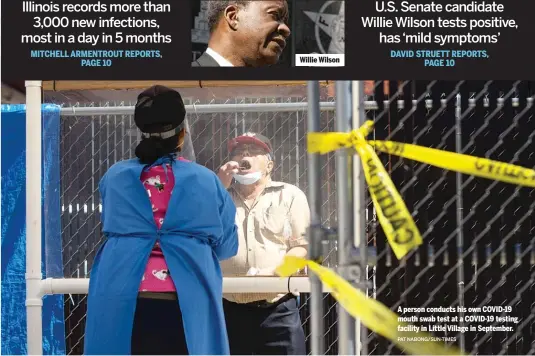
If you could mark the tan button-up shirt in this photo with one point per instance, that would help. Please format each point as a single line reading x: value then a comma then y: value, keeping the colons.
x: 275, y: 223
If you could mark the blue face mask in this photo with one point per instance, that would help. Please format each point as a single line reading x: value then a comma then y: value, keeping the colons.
x: 249, y: 178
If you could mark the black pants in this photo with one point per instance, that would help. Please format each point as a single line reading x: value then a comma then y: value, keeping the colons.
x: 158, y: 328
x: 274, y: 330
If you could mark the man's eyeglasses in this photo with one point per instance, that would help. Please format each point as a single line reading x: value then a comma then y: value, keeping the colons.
x: 252, y: 150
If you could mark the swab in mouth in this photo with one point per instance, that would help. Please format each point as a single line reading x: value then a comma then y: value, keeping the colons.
x: 244, y: 165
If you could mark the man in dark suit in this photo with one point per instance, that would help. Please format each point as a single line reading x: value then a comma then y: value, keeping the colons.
x: 245, y: 33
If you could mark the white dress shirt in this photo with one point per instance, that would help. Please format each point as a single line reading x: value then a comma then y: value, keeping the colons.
x: 218, y: 58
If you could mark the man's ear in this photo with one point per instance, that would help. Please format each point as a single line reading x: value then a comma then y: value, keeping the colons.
x: 181, y: 139
x: 231, y: 16
x: 270, y: 166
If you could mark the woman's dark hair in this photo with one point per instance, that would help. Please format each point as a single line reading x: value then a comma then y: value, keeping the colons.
x: 159, y: 110
x: 152, y: 148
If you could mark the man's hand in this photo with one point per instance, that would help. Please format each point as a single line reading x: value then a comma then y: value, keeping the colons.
x: 298, y: 251
x: 227, y: 171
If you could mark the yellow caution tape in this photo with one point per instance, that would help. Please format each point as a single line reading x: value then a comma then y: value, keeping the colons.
x: 396, y: 220
x: 476, y: 166
x: 371, y: 313
x: 394, y: 217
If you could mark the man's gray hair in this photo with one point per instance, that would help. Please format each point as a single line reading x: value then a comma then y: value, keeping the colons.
x: 217, y: 7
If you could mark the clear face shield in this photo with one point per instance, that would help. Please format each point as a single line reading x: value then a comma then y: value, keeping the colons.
x: 187, y: 151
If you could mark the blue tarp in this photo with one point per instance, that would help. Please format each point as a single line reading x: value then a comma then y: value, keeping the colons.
x: 13, y: 225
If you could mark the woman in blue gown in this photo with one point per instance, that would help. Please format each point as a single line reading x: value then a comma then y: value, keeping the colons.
x: 198, y: 231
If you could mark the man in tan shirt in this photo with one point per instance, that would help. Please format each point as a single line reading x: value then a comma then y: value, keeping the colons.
x: 272, y: 219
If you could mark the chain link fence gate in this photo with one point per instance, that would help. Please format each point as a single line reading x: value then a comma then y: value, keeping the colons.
x: 496, y: 221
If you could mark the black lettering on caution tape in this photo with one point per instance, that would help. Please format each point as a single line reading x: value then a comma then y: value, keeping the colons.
x: 403, y: 234
x: 479, y: 165
x: 395, y: 148
x: 503, y: 169
x: 398, y: 239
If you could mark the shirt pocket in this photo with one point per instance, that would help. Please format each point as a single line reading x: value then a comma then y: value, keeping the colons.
x: 275, y: 219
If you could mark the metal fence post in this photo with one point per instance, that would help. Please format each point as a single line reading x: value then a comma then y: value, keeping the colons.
x: 460, y: 237
x: 346, y: 323
x: 359, y: 211
x: 315, y: 234
x: 34, y: 300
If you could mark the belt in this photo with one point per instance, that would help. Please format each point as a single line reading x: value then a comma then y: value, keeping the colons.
x: 158, y: 295
x: 266, y: 303
x: 261, y: 304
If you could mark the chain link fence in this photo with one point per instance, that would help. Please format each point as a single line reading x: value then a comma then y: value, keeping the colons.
x: 478, y: 234
x: 90, y: 145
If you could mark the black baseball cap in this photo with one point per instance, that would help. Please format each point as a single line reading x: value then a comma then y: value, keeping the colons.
x: 251, y: 138
x: 159, y: 109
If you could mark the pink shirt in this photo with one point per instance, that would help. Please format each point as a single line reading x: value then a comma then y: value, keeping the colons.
x: 159, y: 187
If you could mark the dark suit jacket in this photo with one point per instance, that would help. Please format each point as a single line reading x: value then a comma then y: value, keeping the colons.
x: 205, y: 60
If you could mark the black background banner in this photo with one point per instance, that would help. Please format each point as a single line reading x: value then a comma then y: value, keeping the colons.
x: 511, y: 57
x: 365, y: 57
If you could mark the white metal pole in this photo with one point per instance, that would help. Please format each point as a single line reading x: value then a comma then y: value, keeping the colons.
x: 200, y: 109
x: 210, y: 108
x: 346, y: 323
x: 34, y: 301
x: 359, y: 208
x: 230, y: 285
x: 315, y: 236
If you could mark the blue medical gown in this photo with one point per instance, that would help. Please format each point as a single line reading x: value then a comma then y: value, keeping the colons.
x: 198, y: 230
